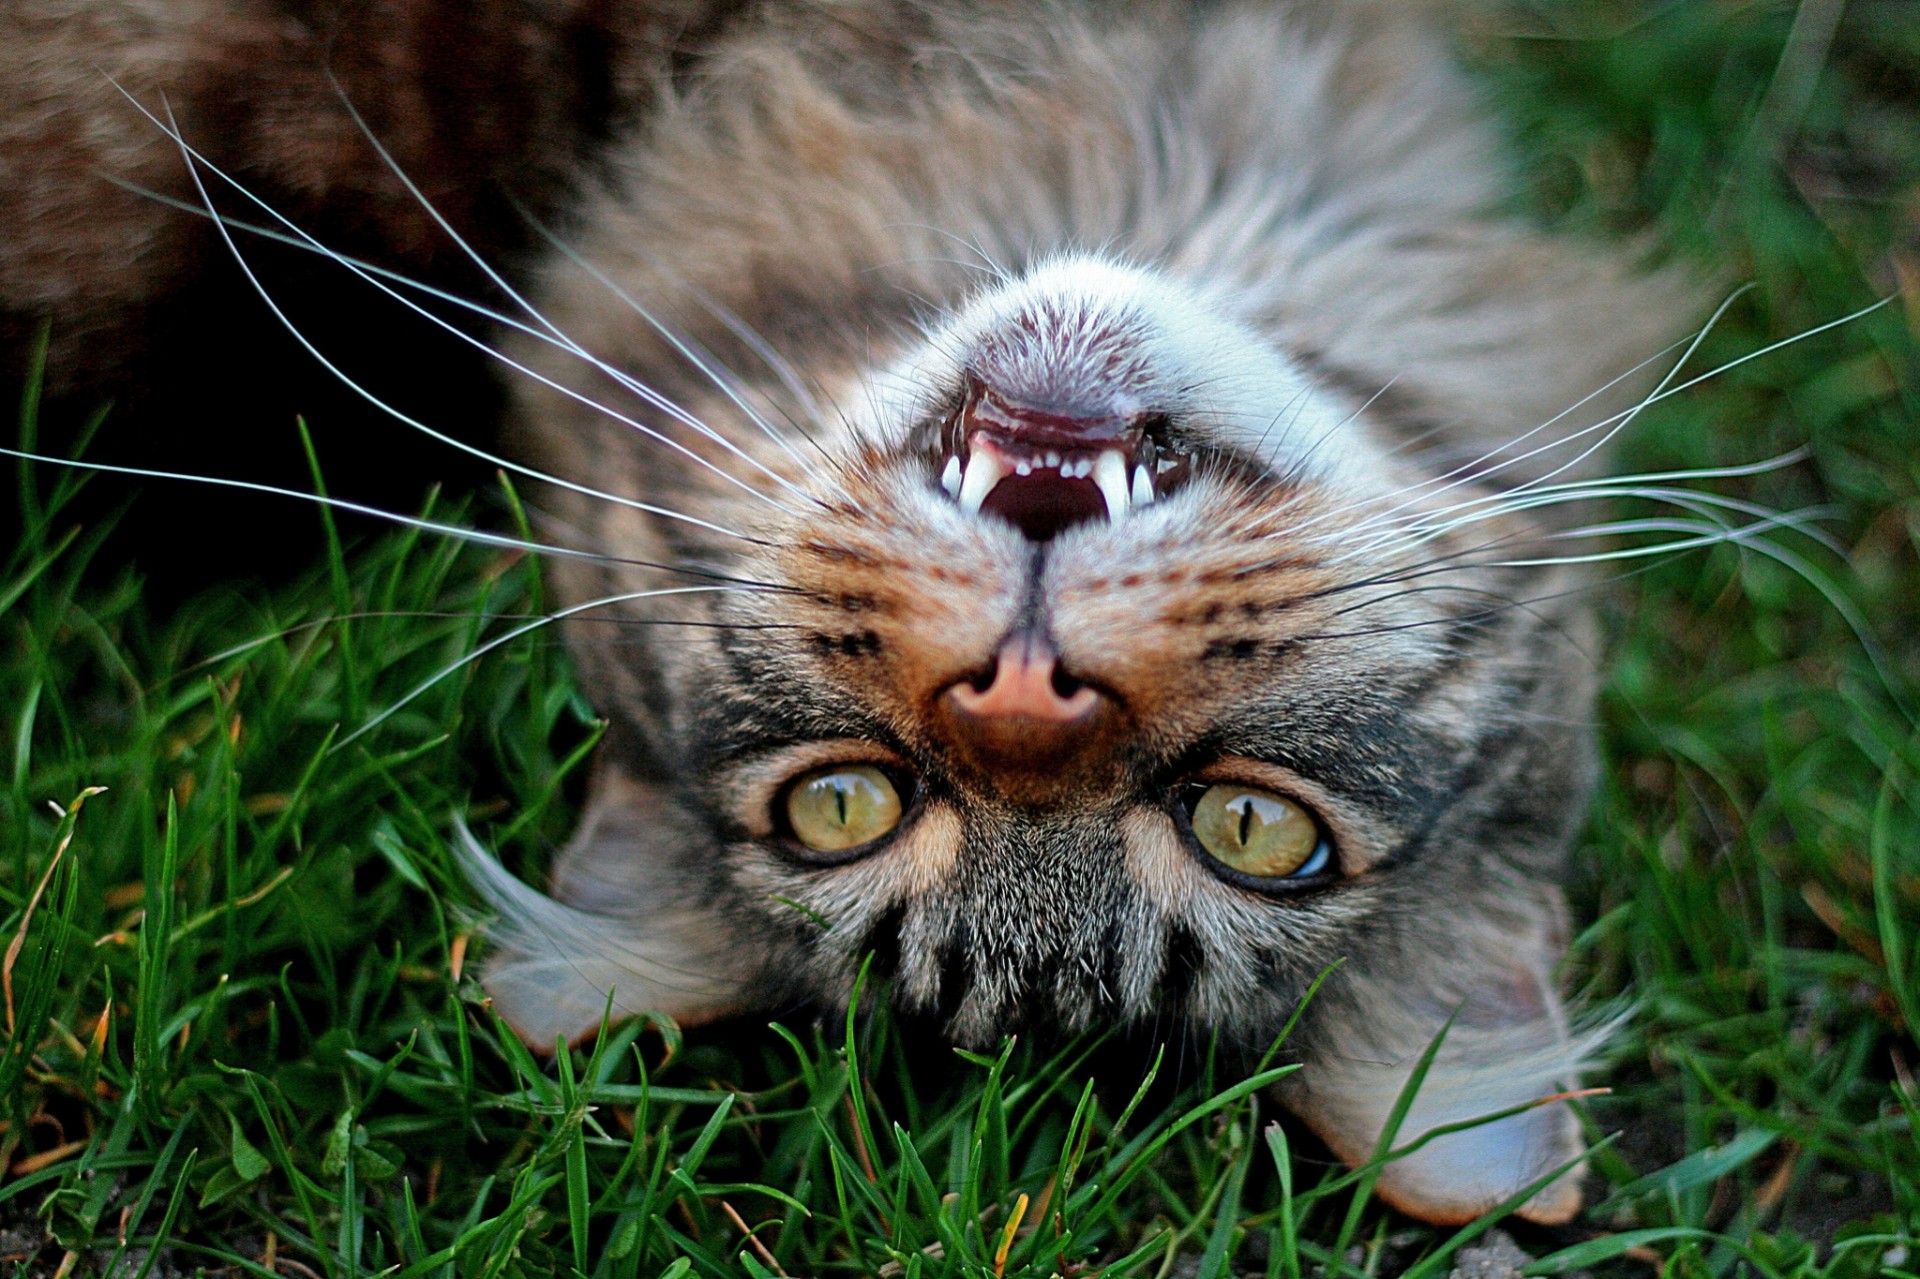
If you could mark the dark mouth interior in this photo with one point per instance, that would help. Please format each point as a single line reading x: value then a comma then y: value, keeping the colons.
x: 1046, y: 468
x: 1043, y: 504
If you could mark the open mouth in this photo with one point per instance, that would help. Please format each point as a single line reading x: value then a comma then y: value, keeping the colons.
x: 1044, y: 470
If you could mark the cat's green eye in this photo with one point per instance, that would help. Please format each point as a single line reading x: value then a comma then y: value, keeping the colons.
x: 1258, y: 833
x: 842, y: 807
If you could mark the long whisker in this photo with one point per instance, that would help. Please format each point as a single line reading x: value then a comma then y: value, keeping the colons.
x: 639, y: 388
x: 456, y: 615
x: 987, y: 264
x: 1709, y: 530
x: 1750, y: 537
x: 479, y: 260
x: 1701, y: 533
x: 1612, y: 425
x: 507, y: 638
x: 693, y: 357
x: 1607, y: 429
x: 715, y: 370
x: 356, y: 508
x: 1736, y: 471
x: 1667, y: 392
x: 1292, y: 476
x: 1505, y: 602
x: 266, y: 297
x: 1414, y: 494
x: 1603, y: 487
x: 1499, y: 603
x: 1503, y: 505
x: 301, y: 238
x: 778, y: 364
x: 432, y: 211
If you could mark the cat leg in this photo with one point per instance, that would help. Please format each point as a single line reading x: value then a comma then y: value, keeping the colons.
x: 1503, y: 1043
x: 623, y: 932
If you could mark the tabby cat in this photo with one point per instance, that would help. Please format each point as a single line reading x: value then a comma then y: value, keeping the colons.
x: 1103, y: 482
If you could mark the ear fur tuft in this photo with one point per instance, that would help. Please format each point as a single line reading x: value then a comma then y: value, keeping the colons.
x: 1504, y: 1043
x: 553, y: 966
x: 1459, y: 1176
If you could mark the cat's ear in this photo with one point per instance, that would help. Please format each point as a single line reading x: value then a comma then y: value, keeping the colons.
x: 621, y: 932
x: 1503, y: 1043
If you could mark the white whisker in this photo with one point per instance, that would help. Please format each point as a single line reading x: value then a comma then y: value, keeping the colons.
x: 478, y: 259
x: 514, y: 634
x: 778, y: 364
x: 987, y: 263
x: 356, y: 508
x: 1473, y: 472
x: 1611, y: 426
x: 1497, y: 506
x: 692, y: 357
x: 193, y: 167
x: 302, y: 239
x: 1751, y: 537
x: 1620, y: 420
x: 1700, y: 533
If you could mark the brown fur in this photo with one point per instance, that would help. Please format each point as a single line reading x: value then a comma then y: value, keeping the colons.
x: 471, y: 98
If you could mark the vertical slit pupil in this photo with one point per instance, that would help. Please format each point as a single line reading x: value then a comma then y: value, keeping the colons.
x: 1246, y: 820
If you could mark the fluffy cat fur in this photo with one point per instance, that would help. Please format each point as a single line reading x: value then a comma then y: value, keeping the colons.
x: 1269, y: 232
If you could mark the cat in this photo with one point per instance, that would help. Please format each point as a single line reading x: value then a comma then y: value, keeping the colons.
x: 1100, y: 485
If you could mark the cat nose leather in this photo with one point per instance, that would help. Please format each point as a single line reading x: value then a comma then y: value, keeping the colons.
x: 1026, y: 683
x: 1032, y: 730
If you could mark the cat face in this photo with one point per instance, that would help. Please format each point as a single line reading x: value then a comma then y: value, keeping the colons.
x: 1039, y: 679
x: 1092, y: 561
x: 1101, y: 638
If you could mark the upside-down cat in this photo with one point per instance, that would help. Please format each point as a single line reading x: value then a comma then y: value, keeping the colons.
x: 1119, y: 470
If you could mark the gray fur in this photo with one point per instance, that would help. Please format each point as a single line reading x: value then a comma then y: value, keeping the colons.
x: 877, y: 194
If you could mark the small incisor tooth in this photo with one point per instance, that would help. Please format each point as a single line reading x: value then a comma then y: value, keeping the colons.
x: 1110, y: 474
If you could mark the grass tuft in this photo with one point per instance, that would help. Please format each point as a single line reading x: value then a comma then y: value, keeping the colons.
x: 240, y: 1033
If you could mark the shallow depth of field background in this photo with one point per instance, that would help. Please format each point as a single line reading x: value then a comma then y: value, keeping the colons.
x: 236, y: 1017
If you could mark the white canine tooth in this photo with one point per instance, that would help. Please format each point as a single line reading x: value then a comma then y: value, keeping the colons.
x: 950, y: 478
x: 1142, y: 487
x: 984, y: 470
x: 1110, y: 473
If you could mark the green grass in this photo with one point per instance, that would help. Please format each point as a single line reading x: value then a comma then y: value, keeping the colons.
x: 238, y: 1023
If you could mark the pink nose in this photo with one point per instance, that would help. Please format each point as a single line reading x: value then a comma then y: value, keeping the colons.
x: 1026, y: 683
